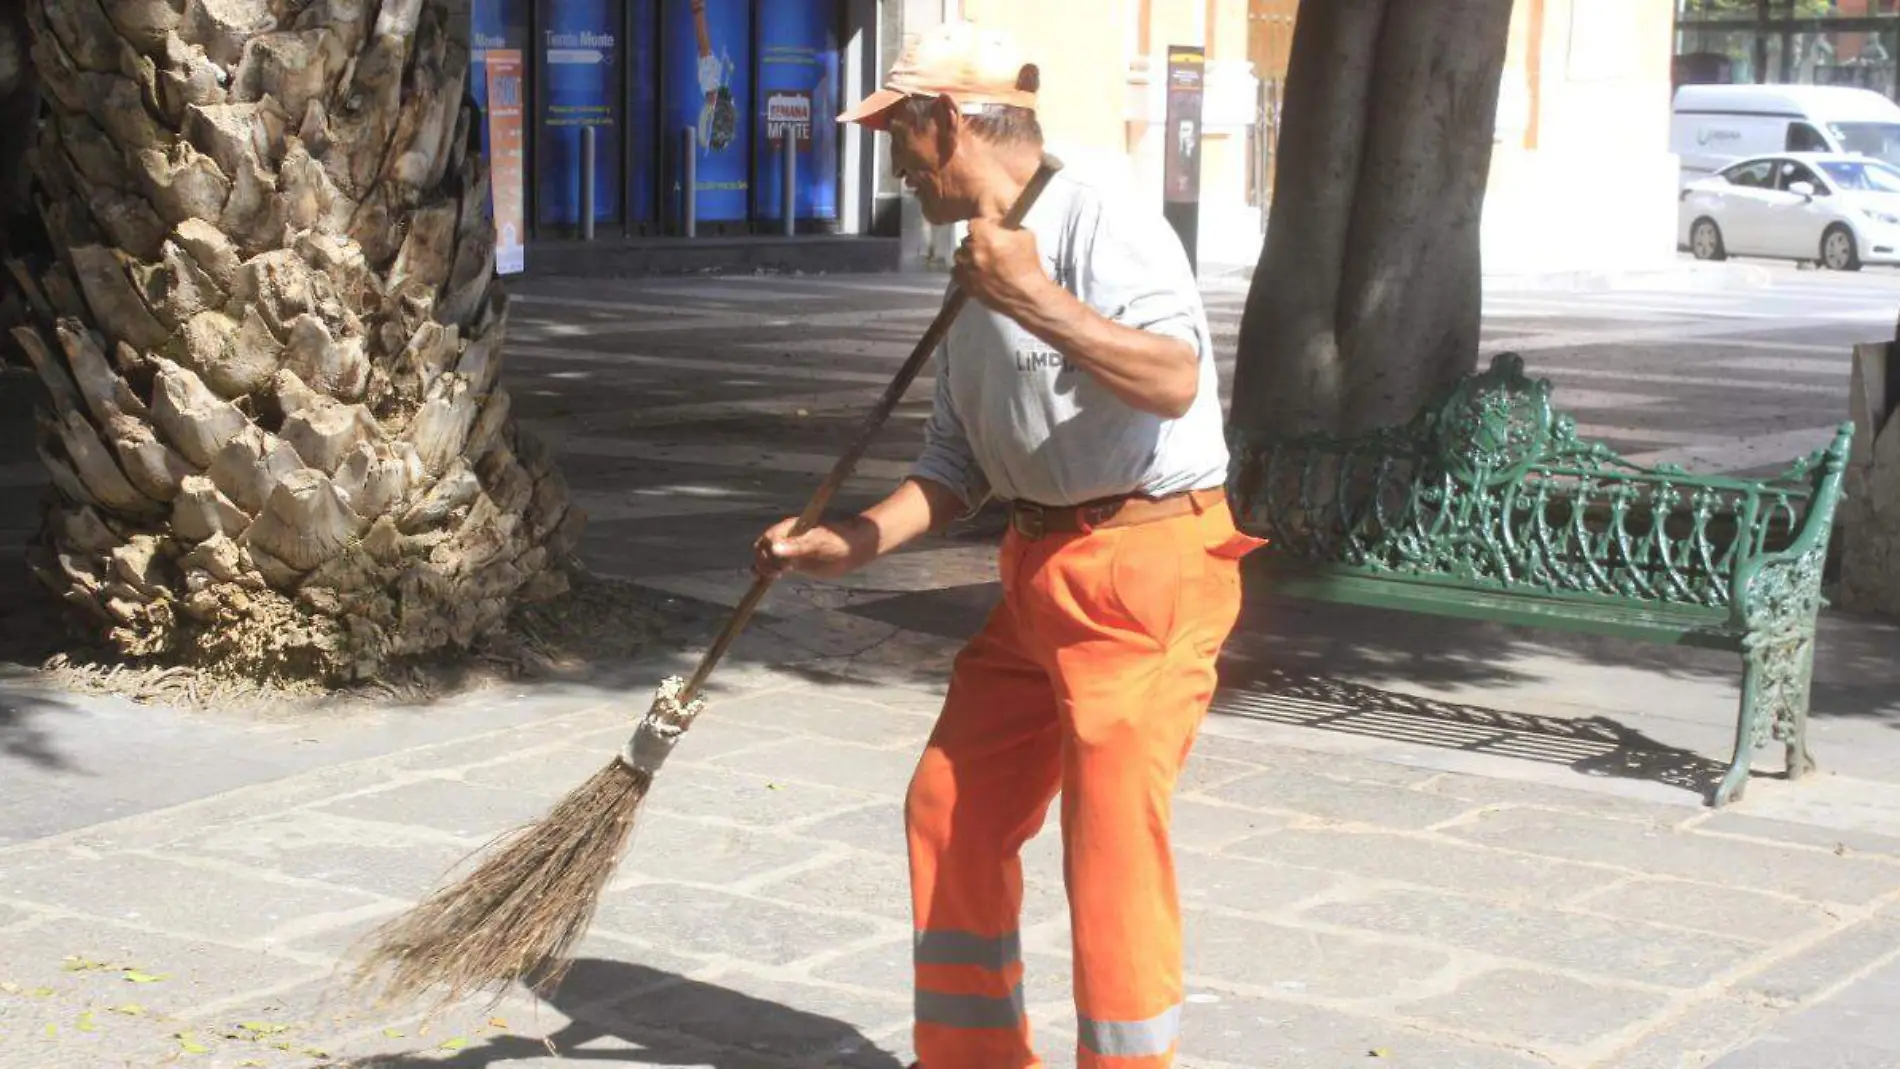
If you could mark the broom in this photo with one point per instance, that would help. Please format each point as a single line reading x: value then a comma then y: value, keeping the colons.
x: 515, y: 916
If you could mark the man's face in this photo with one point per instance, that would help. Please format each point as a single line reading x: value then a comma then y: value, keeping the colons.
x: 923, y: 156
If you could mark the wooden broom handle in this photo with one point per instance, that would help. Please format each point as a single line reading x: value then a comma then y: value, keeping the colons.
x: 867, y: 433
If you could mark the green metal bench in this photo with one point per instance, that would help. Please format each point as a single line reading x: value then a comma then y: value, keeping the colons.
x: 1487, y: 506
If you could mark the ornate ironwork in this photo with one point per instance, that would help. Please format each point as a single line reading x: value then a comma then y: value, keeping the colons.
x: 1488, y: 488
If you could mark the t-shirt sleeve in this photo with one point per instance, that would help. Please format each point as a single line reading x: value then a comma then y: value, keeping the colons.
x: 947, y: 457
x: 1135, y: 272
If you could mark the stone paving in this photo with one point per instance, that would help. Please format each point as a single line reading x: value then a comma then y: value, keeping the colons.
x: 1444, y: 847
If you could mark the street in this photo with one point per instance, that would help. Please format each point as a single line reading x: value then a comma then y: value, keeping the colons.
x: 1402, y: 842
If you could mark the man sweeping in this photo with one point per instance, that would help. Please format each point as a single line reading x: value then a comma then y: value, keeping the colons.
x: 1079, y: 389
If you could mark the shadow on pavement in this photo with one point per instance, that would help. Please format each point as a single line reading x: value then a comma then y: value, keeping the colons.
x: 666, y: 1020
x: 1592, y: 746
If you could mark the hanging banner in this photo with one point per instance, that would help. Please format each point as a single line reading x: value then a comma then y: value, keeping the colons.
x: 494, y: 24
x: 507, y: 159
x: 581, y: 75
x: 708, y: 83
x: 1181, y: 174
x: 798, y: 92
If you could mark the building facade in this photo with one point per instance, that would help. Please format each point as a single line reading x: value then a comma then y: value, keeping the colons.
x: 675, y: 97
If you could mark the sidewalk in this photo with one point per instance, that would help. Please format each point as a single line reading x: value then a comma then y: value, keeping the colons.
x: 1425, y: 845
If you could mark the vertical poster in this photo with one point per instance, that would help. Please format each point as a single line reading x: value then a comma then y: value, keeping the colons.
x: 506, y: 158
x: 646, y: 147
x: 581, y: 86
x: 496, y: 25
x: 1181, y: 155
x: 708, y: 74
x: 1181, y: 174
x: 798, y: 92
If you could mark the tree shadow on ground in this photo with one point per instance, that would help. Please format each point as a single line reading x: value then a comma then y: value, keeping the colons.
x: 651, y: 1017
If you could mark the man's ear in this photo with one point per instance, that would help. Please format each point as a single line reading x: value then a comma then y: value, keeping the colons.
x: 949, y: 123
x: 1029, y: 79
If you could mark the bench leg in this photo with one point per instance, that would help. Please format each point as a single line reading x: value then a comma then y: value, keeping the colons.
x: 1776, y: 679
x: 1749, y: 733
x: 1791, y: 721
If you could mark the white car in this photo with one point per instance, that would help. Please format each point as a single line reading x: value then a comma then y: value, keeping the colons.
x: 1839, y: 210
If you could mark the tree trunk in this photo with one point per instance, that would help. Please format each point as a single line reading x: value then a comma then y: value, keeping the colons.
x: 269, y: 338
x: 1368, y: 294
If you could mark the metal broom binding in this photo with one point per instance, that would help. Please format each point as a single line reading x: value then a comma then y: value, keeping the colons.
x: 516, y: 915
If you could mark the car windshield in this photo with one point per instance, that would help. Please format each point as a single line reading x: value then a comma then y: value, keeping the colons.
x: 1871, y: 175
x: 1878, y: 139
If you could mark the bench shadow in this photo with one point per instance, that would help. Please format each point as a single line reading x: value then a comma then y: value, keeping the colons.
x: 1591, y: 746
x: 651, y: 1017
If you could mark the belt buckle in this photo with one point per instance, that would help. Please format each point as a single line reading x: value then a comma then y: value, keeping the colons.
x: 1029, y: 520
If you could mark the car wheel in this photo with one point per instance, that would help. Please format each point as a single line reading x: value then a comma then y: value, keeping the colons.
x: 1705, y: 240
x: 1838, y: 250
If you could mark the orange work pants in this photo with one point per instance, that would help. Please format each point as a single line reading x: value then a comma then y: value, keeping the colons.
x: 1091, y: 677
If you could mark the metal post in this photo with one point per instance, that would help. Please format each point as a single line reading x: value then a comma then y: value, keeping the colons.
x: 788, y: 196
x: 587, y: 183
x: 689, y: 200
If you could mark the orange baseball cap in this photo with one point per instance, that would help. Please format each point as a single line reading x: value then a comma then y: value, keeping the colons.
x: 972, y: 65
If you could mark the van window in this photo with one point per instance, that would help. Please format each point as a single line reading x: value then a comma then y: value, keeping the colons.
x: 1805, y: 138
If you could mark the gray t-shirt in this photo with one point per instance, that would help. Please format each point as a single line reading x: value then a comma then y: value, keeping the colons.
x: 1013, y: 418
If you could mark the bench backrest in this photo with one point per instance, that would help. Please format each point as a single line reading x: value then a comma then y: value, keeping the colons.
x: 1488, y: 486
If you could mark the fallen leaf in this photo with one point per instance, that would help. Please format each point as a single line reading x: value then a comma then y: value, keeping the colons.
x: 316, y: 1052
x: 263, y: 1028
x: 453, y: 1043
x: 75, y: 963
x: 190, y: 1045
x: 393, y: 1033
x: 251, y: 1063
x: 1381, y: 1053
x: 9, y: 987
x: 137, y: 977
x: 771, y: 786
x: 52, y: 1029
x: 130, y: 1009
x: 497, y: 1022
x: 85, y: 1022
x: 41, y: 992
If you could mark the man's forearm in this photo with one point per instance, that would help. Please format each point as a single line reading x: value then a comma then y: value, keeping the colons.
x: 1150, y: 372
x: 917, y: 507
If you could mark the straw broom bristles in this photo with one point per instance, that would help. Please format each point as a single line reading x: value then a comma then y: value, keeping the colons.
x: 516, y: 916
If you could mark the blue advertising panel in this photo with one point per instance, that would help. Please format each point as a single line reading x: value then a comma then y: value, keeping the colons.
x: 496, y: 24
x: 707, y: 68
x: 798, y: 93
x: 643, y: 111
x: 580, y: 72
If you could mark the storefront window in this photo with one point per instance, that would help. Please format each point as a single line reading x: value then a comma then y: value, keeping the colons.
x: 798, y: 94
x: 1863, y: 60
x: 653, y: 80
x: 580, y: 75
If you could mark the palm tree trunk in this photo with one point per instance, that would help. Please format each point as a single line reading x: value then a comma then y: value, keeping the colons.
x: 270, y: 338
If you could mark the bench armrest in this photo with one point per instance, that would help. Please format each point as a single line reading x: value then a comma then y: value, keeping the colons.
x: 1774, y: 592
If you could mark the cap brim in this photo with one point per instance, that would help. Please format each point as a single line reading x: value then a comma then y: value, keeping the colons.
x: 873, y: 111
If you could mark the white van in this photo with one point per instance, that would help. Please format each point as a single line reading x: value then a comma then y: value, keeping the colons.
x: 1714, y: 125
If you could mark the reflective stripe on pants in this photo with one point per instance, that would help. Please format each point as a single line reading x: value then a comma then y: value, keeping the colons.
x: 1091, y: 677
